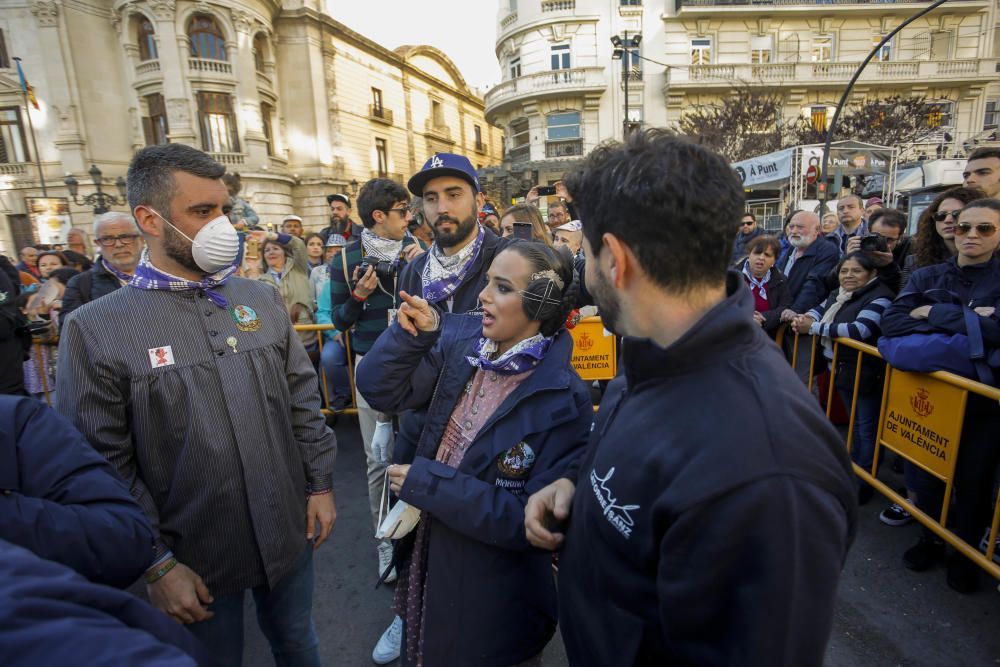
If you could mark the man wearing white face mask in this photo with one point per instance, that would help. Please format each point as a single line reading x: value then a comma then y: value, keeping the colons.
x: 185, y: 380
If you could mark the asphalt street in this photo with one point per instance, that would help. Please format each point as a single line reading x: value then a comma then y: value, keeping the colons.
x: 885, y: 614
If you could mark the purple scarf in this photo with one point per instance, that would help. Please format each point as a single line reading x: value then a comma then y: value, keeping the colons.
x: 149, y: 277
x: 123, y: 277
x: 522, y: 357
x: 442, y: 275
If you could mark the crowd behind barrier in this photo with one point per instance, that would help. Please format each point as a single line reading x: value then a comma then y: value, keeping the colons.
x: 932, y: 445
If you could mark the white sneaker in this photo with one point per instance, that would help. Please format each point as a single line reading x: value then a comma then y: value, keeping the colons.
x: 384, y: 560
x: 387, y: 648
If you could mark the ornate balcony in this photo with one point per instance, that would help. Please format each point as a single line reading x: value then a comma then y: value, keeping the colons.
x: 737, y: 7
x: 229, y: 158
x: 380, y: 114
x: 550, y: 83
x: 834, y: 74
x: 203, y: 66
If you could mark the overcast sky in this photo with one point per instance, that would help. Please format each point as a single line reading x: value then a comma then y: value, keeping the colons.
x: 464, y: 29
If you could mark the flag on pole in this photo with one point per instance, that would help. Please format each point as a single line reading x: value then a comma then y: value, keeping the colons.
x: 26, y: 87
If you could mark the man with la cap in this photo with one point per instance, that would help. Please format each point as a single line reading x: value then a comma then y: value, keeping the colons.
x: 195, y: 386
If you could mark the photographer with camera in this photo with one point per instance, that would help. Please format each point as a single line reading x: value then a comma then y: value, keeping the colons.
x: 363, y: 289
x: 885, y: 244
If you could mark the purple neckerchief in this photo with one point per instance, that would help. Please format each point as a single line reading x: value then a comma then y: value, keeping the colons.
x: 149, y: 277
x: 124, y: 277
x: 440, y: 277
x: 522, y: 357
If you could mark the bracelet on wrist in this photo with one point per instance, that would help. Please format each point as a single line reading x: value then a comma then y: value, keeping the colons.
x: 161, y: 570
x: 357, y: 297
x: 320, y: 493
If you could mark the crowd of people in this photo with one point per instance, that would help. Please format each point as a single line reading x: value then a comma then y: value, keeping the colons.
x: 196, y: 457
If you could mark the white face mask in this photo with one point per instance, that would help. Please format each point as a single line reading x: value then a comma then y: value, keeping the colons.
x: 215, y: 246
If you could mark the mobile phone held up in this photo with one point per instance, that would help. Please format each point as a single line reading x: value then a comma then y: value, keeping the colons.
x: 522, y: 230
x: 546, y: 190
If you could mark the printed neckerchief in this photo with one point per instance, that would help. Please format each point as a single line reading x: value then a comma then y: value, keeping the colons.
x: 761, y: 284
x: 149, y: 277
x: 522, y: 357
x: 384, y: 249
x: 442, y: 275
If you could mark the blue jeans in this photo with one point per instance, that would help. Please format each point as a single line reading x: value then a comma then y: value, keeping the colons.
x: 865, y: 426
x: 333, y: 359
x: 284, y: 615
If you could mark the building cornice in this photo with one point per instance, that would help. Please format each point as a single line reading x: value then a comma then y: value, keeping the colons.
x: 341, y: 31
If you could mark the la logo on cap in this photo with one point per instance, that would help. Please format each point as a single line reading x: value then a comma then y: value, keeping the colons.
x: 436, y: 162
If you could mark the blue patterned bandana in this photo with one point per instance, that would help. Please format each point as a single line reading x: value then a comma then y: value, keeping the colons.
x: 443, y: 274
x: 522, y: 357
x: 149, y: 277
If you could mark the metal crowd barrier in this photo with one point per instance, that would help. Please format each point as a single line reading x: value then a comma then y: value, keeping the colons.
x: 918, y: 411
x: 319, y: 329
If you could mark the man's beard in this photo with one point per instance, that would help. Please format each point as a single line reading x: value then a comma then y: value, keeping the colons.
x: 462, y: 231
x: 800, y: 243
x: 339, y: 224
x: 604, y: 298
x: 178, y: 249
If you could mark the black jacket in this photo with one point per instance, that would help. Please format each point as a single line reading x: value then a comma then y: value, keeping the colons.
x: 807, y: 279
x: 87, y: 286
x: 778, y: 297
x: 713, y: 510
x: 741, y: 242
x: 14, y: 339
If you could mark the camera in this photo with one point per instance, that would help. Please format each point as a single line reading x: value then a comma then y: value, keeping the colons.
x: 874, y: 243
x: 385, y: 270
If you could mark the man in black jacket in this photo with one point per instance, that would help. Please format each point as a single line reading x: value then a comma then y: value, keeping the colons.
x: 14, y: 339
x: 120, y: 243
x: 691, y: 539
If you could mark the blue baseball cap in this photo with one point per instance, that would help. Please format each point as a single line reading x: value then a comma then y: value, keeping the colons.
x: 443, y: 164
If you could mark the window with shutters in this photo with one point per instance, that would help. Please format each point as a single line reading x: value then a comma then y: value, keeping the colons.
x: 4, y: 57
x: 154, y: 125
x: 382, y: 156
x: 266, y: 119
x: 520, y: 140
x: 13, y: 140
x: 822, y: 49
x: 259, y: 52
x: 217, y: 122
x: 701, y: 51
x: 147, y: 40
x: 207, y: 40
x: 761, y: 49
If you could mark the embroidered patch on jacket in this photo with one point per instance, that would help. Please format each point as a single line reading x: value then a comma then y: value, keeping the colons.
x: 161, y: 356
x: 517, y: 461
x: 617, y: 515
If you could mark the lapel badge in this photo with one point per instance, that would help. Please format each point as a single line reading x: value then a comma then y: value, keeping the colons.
x: 161, y: 356
x: 517, y: 461
x: 246, y: 318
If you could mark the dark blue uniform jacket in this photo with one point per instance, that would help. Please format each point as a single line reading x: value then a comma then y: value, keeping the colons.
x: 490, y: 596
x: 50, y: 615
x: 62, y: 500
x: 713, y: 510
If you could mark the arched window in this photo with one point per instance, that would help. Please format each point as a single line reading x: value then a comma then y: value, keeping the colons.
x: 206, y: 38
x: 147, y: 40
x: 259, y: 51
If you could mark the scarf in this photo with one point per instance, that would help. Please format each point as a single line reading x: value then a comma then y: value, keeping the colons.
x: 761, y: 284
x: 384, y: 249
x: 442, y: 274
x: 123, y: 278
x: 522, y: 357
x: 149, y: 277
x: 843, y: 296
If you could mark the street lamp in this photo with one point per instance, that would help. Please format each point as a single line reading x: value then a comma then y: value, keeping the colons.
x: 623, y: 51
x: 100, y: 200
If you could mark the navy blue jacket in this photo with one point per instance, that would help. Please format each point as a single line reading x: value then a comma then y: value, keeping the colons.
x: 50, y: 615
x: 62, y: 500
x: 807, y: 279
x: 947, y: 288
x: 713, y: 510
x: 490, y: 596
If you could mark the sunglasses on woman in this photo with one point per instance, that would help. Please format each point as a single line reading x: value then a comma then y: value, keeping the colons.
x: 941, y: 216
x: 984, y: 229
